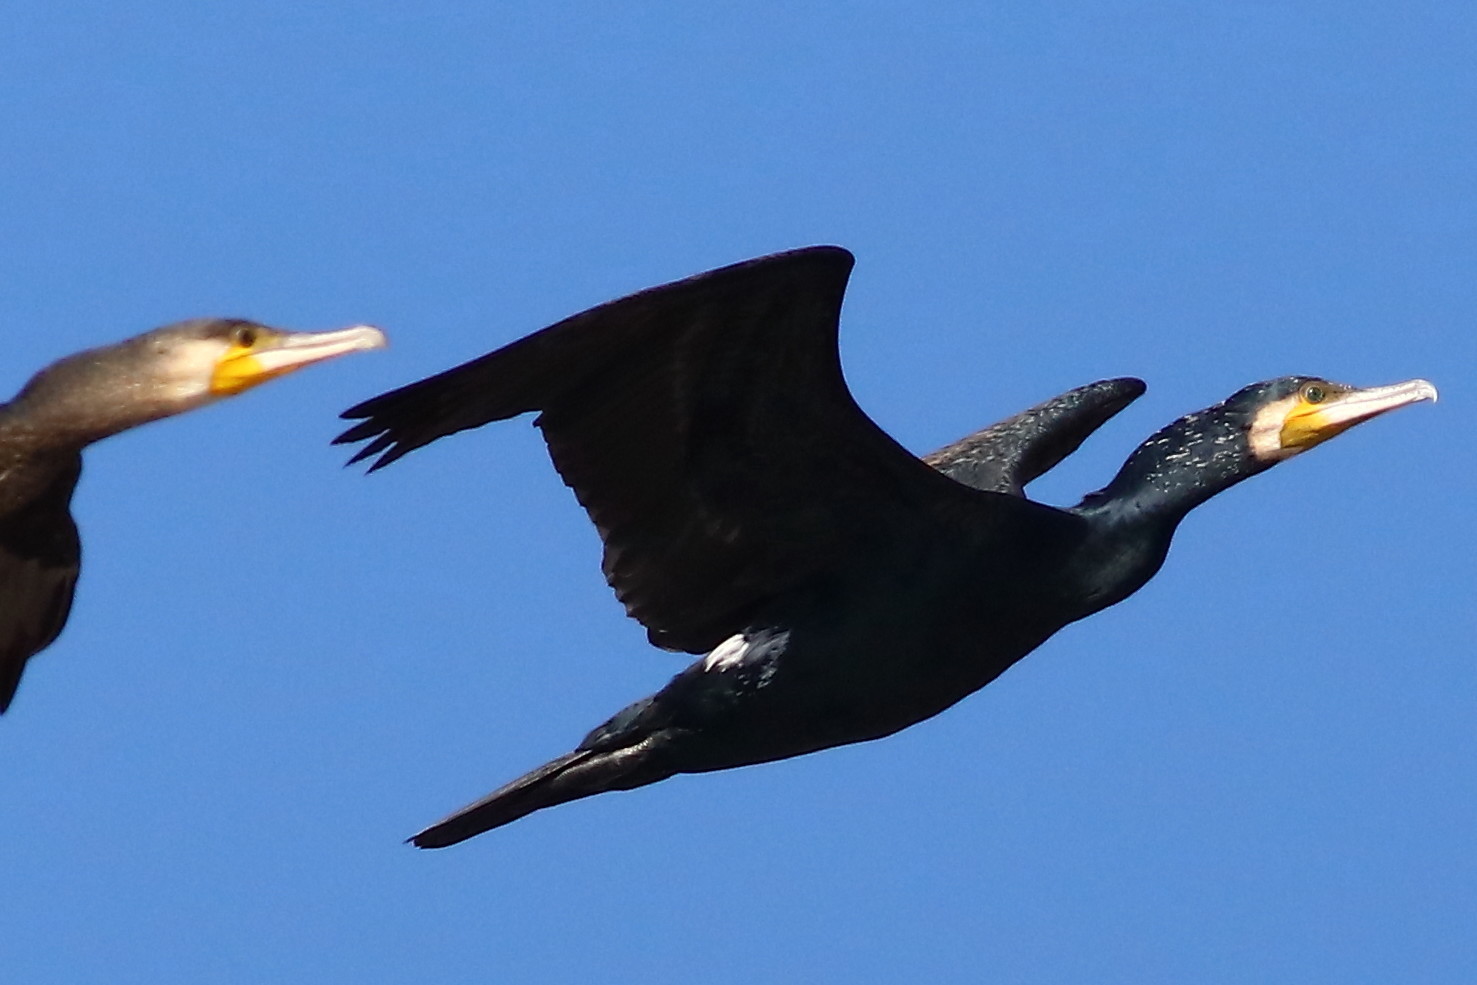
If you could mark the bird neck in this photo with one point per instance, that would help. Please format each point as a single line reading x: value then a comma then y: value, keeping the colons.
x: 1175, y: 470
x: 82, y: 399
x: 1131, y: 521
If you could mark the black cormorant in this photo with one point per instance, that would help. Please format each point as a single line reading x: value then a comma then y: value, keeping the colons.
x: 87, y: 397
x: 841, y: 588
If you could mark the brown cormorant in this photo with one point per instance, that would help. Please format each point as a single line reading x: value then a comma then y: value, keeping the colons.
x: 87, y: 397
x: 841, y: 588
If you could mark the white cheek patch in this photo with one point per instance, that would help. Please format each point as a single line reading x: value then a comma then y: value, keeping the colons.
x: 729, y: 653
x: 185, y: 373
x: 186, y: 391
x: 1265, y: 436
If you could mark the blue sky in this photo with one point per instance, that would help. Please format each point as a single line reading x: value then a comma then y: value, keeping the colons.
x: 1258, y: 769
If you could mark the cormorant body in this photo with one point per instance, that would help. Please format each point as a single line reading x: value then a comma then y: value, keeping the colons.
x: 86, y: 397
x: 840, y: 588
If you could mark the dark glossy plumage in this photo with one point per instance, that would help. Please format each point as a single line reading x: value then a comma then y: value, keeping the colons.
x: 841, y: 587
x: 89, y: 396
x: 1005, y: 457
x: 40, y: 555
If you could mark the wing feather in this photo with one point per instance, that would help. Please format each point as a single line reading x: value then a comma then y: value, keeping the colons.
x: 40, y: 556
x: 1005, y: 457
x: 707, y: 429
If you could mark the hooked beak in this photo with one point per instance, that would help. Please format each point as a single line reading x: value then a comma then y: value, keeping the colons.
x: 1310, y: 424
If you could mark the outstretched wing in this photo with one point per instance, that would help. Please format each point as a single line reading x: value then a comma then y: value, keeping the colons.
x: 40, y: 555
x: 1004, y: 457
x: 706, y: 428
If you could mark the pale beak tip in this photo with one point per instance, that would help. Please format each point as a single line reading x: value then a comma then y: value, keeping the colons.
x: 1425, y: 390
x: 368, y: 337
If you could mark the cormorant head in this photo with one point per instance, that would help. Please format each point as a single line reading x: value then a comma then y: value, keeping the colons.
x: 1204, y: 453
x: 1292, y: 414
x: 170, y: 370
x: 197, y: 361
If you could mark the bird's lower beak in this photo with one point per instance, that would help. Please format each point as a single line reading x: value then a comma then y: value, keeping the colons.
x: 1313, y: 423
x: 274, y: 353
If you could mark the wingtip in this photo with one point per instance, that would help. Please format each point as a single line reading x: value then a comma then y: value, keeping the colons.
x: 1125, y: 385
x: 362, y: 455
x: 427, y: 841
x: 838, y: 253
x: 834, y: 250
x: 356, y: 430
x: 10, y: 682
x: 1117, y: 392
x: 380, y: 442
x: 811, y: 256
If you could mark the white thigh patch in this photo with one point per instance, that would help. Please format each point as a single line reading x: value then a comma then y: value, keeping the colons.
x: 729, y: 653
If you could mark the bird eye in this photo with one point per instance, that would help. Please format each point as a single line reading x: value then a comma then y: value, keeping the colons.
x: 244, y: 336
x: 1313, y: 394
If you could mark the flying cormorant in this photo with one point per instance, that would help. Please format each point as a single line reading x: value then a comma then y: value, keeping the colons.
x: 87, y: 397
x: 841, y: 588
